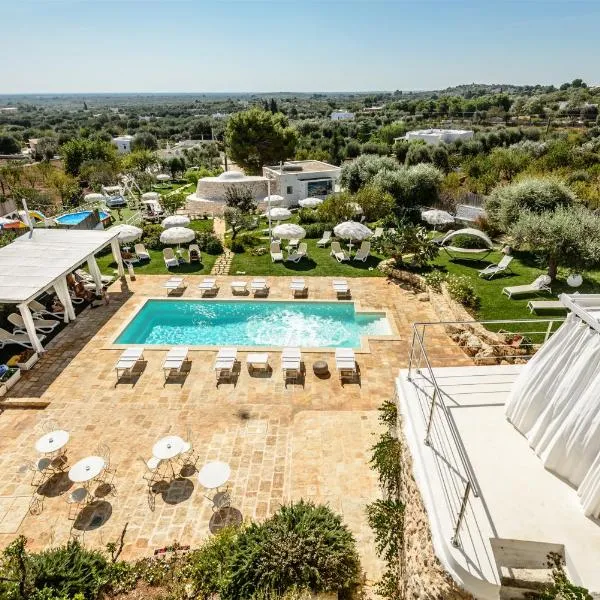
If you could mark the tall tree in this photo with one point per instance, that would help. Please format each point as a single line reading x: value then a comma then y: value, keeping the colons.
x: 256, y: 138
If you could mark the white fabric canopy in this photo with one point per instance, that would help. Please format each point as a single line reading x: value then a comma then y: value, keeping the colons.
x: 555, y: 404
x: 437, y: 217
x: 278, y: 214
x: 351, y: 230
x: 175, y: 221
x: 310, y: 202
x: 177, y: 235
x: 289, y: 231
x: 93, y: 197
x: 468, y: 231
x: 126, y: 233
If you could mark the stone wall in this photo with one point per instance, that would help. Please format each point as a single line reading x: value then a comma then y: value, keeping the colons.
x: 213, y: 189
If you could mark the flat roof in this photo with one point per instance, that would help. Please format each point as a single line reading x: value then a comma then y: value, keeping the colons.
x: 306, y: 166
x: 519, y: 499
x: 31, y: 264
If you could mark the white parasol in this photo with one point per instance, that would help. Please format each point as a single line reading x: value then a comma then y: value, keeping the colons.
x: 278, y: 214
x: 310, y: 202
x: 177, y: 235
x: 175, y: 221
x: 353, y: 231
x: 163, y: 177
x: 274, y: 199
x: 127, y: 233
x: 437, y: 217
x: 289, y: 231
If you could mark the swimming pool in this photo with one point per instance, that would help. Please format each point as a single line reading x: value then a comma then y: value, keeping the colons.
x: 75, y: 218
x: 251, y: 323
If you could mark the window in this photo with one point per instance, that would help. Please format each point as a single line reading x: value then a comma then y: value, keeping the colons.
x: 289, y: 190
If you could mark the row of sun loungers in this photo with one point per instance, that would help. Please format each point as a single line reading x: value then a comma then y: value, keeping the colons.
x: 226, y: 362
x: 362, y: 254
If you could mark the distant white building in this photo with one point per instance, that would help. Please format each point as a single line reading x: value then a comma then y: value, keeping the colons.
x: 9, y: 109
x: 341, y: 115
x: 219, y: 115
x: 438, y: 136
x: 299, y: 179
x: 123, y: 143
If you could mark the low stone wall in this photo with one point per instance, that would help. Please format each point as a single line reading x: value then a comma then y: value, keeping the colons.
x: 215, y: 189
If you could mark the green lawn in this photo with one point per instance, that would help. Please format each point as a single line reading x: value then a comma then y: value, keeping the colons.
x: 318, y: 263
x: 525, y: 267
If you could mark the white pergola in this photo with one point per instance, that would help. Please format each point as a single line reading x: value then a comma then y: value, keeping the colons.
x: 42, y: 259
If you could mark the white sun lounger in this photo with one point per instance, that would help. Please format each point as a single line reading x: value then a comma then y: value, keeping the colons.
x: 174, y: 283
x: 535, y: 305
x: 542, y: 283
x: 259, y: 286
x: 174, y: 360
x: 208, y: 286
x: 291, y: 364
x: 257, y: 361
x: 141, y: 252
x: 22, y: 339
x: 345, y: 363
x: 224, y: 364
x: 128, y: 359
x: 492, y: 270
x: 239, y: 287
x: 298, y: 287
x: 41, y: 325
x: 299, y: 254
x: 276, y: 253
x: 325, y: 239
x: 363, y: 252
x: 170, y: 259
x: 38, y: 310
x: 340, y: 287
x: 339, y: 254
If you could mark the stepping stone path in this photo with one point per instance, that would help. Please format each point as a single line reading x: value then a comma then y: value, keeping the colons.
x: 223, y: 263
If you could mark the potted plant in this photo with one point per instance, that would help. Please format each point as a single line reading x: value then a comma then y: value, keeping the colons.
x: 27, y: 359
x: 10, y: 376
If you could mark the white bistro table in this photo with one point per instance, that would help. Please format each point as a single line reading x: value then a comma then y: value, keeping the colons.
x: 86, y: 469
x: 212, y: 476
x: 52, y: 442
x: 168, y: 448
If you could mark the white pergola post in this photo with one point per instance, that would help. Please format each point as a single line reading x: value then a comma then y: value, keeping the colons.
x: 95, y: 273
x: 62, y: 291
x: 116, y: 252
x: 30, y: 327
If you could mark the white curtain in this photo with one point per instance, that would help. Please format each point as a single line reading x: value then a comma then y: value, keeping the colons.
x: 555, y: 404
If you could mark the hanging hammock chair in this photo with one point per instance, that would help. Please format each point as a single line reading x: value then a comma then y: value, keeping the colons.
x: 467, y: 253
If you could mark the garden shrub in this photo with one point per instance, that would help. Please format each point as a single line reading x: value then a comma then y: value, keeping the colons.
x: 468, y: 241
x: 209, y: 242
x: 237, y: 246
x: 302, y: 546
x: 461, y: 289
x: 151, y: 236
x: 434, y: 279
x: 307, y: 215
x: 249, y: 240
x: 316, y: 230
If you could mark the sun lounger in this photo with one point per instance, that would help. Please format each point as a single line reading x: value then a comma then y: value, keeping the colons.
x: 492, y: 270
x: 128, y: 359
x: 363, y: 252
x: 39, y: 310
x: 298, y: 287
x: 239, y: 287
x: 326, y: 239
x: 345, y: 363
x: 377, y: 233
x: 259, y: 286
x: 542, y: 283
x: 340, y: 287
x: 194, y: 253
x: 299, y: 254
x: 225, y: 364
x: 105, y: 279
x: 276, y: 253
x: 141, y: 252
x: 291, y: 364
x: 257, y: 361
x: 175, y: 283
x: 22, y: 339
x: 170, y: 259
x: 174, y: 360
x: 208, y: 286
x: 541, y: 305
x: 339, y: 254
x: 41, y: 325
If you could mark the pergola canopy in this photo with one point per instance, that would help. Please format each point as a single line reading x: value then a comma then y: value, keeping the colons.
x: 34, y: 261
x: 469, y: 231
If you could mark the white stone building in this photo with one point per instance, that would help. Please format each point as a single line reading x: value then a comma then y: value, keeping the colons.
x: 123, y: 143
x: 342, y: 115
x: 438, y: 136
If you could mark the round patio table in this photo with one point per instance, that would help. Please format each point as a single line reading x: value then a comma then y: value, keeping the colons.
x: 214, y: 475
x: 51, y: 442
x: 86, y: 469
x: 168, y: 447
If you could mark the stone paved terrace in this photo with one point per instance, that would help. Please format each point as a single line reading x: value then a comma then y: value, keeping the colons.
x: 282, y: 444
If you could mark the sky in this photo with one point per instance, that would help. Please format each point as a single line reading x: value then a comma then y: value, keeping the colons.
x: 71, y: 46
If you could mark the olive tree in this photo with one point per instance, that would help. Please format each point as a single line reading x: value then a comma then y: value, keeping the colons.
x: 537, y: 195
x: 360, y: 172
x: 567, y: 237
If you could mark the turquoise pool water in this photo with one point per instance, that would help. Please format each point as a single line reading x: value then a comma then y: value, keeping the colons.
x: 74, y: 218
x: 249, y: 323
